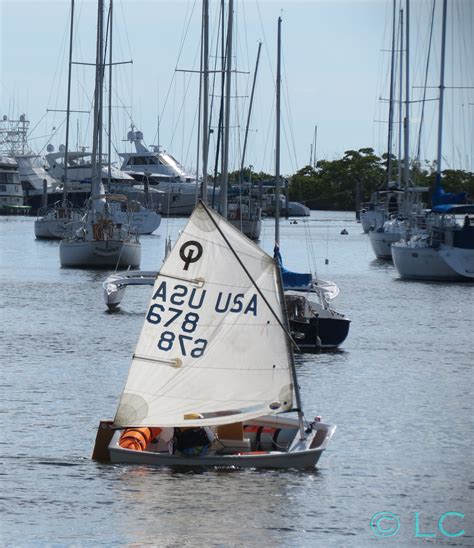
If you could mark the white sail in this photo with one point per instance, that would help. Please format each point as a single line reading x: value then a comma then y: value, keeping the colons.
x: 210, y: 344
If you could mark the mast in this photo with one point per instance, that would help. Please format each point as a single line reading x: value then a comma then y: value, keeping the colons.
x: 205, y: 93
x: 277, y: 238
x: 277, y: 139
x: 390, y: 108
x: 96, y: 140
x: 441, y: 97
x: 315, y: 144
x: 221, y: 106
x: 68, y: 106
x: 225, y: 152
x: 406, y: 163
x: 109, y: 143
x: 400, y: 108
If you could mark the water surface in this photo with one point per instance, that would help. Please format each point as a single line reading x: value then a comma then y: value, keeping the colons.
x: 400, y: 392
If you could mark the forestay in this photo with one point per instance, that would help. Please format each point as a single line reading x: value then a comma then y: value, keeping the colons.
x: 210, y: 343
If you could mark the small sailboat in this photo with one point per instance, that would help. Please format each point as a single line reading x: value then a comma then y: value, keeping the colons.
x: 214, y: 364
x: 313, y: 323
x: 100, y: 241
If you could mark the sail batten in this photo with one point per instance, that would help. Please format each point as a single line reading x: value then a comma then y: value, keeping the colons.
x: 213, y: 348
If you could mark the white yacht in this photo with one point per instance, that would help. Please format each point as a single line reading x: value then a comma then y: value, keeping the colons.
x: 36, y: 182
x: 11, y: 193
x: 160, y: 170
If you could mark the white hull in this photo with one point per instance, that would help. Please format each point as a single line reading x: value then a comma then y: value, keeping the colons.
x: 116, y: 284
x: 371, y: 219
x: 176, y: 203
x: 423, y: 263
x: 251, y: 228
x: 99, y: 253
x: 301, y: 453
x: 459, y: 259
x: 55, y: 229
x: 144, y: 222
x: 382, y: 242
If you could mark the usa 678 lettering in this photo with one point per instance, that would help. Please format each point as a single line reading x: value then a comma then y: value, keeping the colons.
x: 179, y: 296
x: 189, y: 324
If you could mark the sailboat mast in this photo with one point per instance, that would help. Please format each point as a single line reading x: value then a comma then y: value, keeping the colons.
x: 315, y: 145
x: 68, y: 107
x: 277, y: 237
x: 406, y: 163
x: 400, y: 105
x: 101, y: 94
x: 205, y: 93
x: 390, y: 107
x: 109, y: 143
x: 277, y: 139
x: 441, y: 96
x: 228, y: 72
x: 97, y: 94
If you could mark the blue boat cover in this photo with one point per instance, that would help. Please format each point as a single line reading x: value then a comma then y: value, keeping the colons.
x: 291, y: 279
x: 453, y: 208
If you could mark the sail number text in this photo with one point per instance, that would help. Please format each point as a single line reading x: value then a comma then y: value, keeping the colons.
x: 189, y: 324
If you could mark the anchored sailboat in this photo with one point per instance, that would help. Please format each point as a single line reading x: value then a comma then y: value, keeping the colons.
x: 100, y: 241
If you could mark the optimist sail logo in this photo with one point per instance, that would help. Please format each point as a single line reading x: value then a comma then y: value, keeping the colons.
x: 194, y: 253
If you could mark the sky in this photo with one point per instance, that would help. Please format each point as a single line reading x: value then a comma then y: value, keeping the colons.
x: 335, y: 76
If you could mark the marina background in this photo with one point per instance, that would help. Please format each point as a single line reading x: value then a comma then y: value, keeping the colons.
x: 400, y: 392
x: 336, y: 70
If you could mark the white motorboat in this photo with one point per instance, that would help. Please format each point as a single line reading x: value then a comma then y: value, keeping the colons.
x: 11, y: 193
x: 208, y: 386
x: 160, y: 170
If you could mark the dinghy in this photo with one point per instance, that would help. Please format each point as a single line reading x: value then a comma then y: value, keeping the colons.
x: 214, y: 363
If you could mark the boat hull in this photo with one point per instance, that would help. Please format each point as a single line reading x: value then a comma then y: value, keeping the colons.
x: 56, y: 229
x: 371, y: 218
x: 302, y: 454
x: 99, y: 253
x: 459, y: 259
x: 423, y: 263
x: 320, y: 333
x: 382, y: 243
x: 251, y: 228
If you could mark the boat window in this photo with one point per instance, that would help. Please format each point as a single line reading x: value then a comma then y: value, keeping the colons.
x: 3, y: 188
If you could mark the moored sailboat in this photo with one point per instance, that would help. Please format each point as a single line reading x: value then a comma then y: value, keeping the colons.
x: 100, y: 241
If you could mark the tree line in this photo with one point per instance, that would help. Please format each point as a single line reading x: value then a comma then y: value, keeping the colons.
x: 345, y: 183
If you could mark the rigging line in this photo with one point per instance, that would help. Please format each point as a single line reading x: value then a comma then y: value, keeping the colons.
x: 173, y: 78
x: 290, y: 118
x: 430, y: 41
x: 274, y: 314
